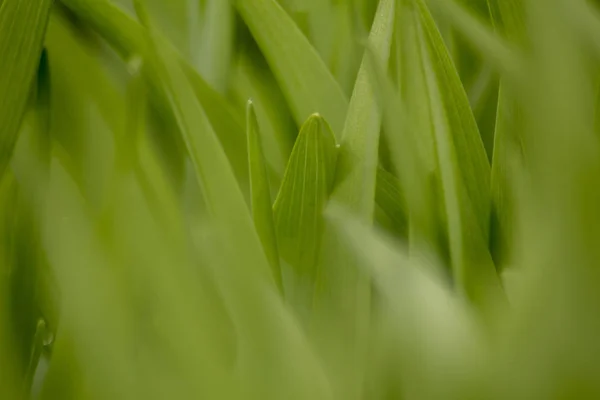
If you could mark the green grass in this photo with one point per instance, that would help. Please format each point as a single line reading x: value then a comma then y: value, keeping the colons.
x: 299, y: 199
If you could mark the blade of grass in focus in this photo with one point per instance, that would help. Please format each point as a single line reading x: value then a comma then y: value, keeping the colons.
x: 299, y: 206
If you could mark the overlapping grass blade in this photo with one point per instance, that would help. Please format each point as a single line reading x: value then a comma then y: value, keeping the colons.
x: 260, y: 191
x: 391, y: 199
x: 508, y: 18
x: 304, y: 78
x: 450, y: 142
x: 223, y: 196
x: 253, y: 80
x: 22, y: 30
x: 302, y: 197
x: 343, y: 283
x: 128, y: 38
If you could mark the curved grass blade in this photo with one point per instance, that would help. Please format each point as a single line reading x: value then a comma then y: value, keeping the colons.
x: 304, y: 192
x: 446, y: 144
x: 508, y: 18
x: 343, y: 299
x: 463, y: 166
x: 128, y: 38
x: 223, y: 196
x: 22, y: 30
x: 305, y: 80
x: 262, y: 210
x: 253, y: 80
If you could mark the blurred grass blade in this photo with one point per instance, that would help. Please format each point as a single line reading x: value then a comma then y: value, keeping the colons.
x: 345, y: 290
x: 216, y: 43
x: 224, y: 199
x: 22, y: 30
x: 391, y: 199
x: 450, y: 141
x: 252, y: 79
x: 307, y: 84
x: 304, y: 192
x: 262, y: 209
x: 418, y: 353
x: 481, y: 36
x: 357, y: 164
x: 508, y: 18
x: 129, y: 39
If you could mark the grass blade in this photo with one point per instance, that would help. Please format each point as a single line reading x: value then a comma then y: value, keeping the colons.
x: 129, y: 39
x: 223, y: 196
x: 22, y: 30
x: 390, y: 197
x: 306, y: 82
x: 262, y: 210
x: 305, y: 189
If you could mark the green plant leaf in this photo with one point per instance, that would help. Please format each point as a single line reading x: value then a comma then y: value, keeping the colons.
x: 307, y: 84
x: 451, y: 145
x: 128, y: 38
x: 22, y: 30
x: 391, y: 199
x: 262, y: 209
x: 222, y: 194
x: 304, y: 192
x: 253, y: 80
x: 508, y: 18
x: 343, y: 289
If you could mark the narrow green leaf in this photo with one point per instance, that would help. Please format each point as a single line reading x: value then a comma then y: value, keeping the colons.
x: 344, y: 290
x: 22, y: 30
x: 253, y: 80
x: 224, y: 199
x: 215, y: 43
x: 357, y: 164
x: 508, y: 19
x: 462, y: 164
x: 304, y: 192
x: 129, y: 39
x: 306, y: 82
x: 391, y: 199
x: 262, y: 209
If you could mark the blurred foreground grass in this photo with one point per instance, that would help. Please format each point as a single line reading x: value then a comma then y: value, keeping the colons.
x: 299, y: 199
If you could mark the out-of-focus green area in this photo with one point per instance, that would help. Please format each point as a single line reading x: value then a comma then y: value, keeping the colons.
x: 299, y: 199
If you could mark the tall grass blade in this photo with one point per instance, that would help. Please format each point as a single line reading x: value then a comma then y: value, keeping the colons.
x: 223, y: 196
x: 262, y: 209
x: 306, y: 82
x: 22, y: 30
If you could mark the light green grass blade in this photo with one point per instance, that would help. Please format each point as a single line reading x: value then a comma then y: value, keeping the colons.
x: 357, y: 164
x: 262, y: 209
x: 418, y: 353
x: 344, y: 290
x: 508, y: 19
x: 128, y: 38
x: 215, y: 44
x: 391, y: 199
x: 22, y: 30
x: 223, y: 197
x: 306, y: 82
x: 252, y: 79
x: 302, y: 197
x: 450, y: 142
